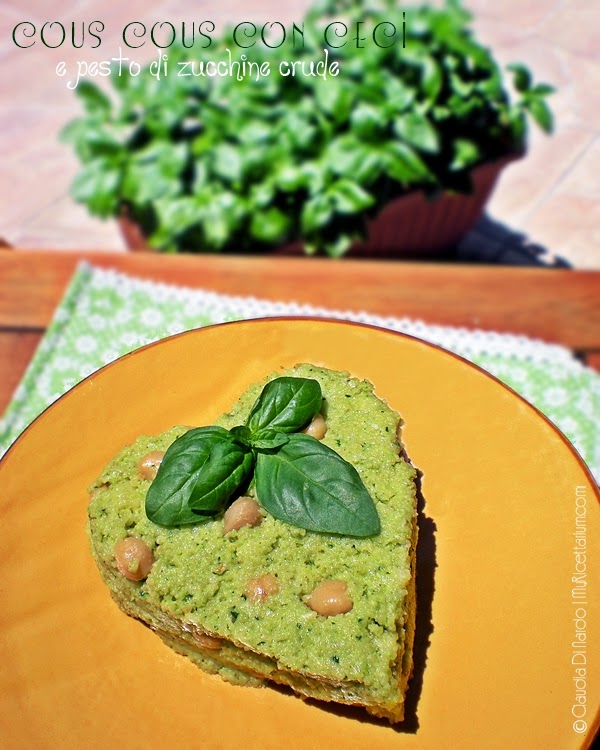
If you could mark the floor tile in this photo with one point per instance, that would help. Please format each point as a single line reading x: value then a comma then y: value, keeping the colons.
x: 583, y: 179
x: 585, y: 77
x: 575, y: 27
x: 524, y: 184
x: 495, y: 34
x: 570, y: 226
x: 27, y: 129
x: 524, y: 14
x: 66, y: 225
x: 24, y: 201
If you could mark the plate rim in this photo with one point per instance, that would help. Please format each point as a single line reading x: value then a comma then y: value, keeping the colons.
x: 328, y: 321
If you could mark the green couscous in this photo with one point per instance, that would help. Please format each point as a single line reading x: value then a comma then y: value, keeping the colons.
x: 195, y: 594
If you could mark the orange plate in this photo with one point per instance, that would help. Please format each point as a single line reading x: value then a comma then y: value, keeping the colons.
x: 498, y: 624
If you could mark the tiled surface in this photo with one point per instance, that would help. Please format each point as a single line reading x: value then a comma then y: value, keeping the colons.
x: 551, y: 196
x: 546, y: 206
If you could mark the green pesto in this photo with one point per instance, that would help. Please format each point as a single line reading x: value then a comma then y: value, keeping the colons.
x: 199, y: 575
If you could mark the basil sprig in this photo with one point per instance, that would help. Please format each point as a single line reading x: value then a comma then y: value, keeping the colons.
x: 298, y: 479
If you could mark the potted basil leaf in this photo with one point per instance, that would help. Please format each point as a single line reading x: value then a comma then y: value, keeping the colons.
x: 395, y: 155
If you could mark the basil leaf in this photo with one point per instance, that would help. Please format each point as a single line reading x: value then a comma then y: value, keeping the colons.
x: 465, y: 154
x: 417, y: 131
x: 541, y: 113
x: 521, y: 76
x: 269, y: 225
x: 97, y: 184
x: 404, y: 164
x: 543, y: 89
x: 398, y: 96
x: 432, y: 80
x: 226, y: 467
x: 200, y: 471
x: 286, y: 405
x: 337, y: 247
x: 349, y: 197
x: 368, y: 121
x: 242, y: 434
x: 94, y: 100
x: 227, y: 162
x: 316, y: 213
x: 268, y: 439
x: 307, y: 484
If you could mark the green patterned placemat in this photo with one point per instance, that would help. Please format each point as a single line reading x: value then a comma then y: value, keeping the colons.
x: 105, y: 314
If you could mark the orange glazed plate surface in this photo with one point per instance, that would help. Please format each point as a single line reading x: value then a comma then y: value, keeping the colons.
x: 502, y: 627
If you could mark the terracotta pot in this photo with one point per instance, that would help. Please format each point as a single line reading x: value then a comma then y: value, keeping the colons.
x: 132, y: 232
x: 414, y: 226
x: 411, y: 226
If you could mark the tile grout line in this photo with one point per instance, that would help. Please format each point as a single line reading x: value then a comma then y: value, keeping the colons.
x: 542, y: 200
x: 32, y: 217
x: 533, y: 30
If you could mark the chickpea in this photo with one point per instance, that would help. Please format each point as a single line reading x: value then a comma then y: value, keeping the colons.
x: 97, y: 490
x: 261, y: 588
x: 207, y: 641
x: 244, y: 511
x: 148, y: 465
x: 317, y: 428
x: 399, y: 431
x: 134, y: 558
x: 330, y: 598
